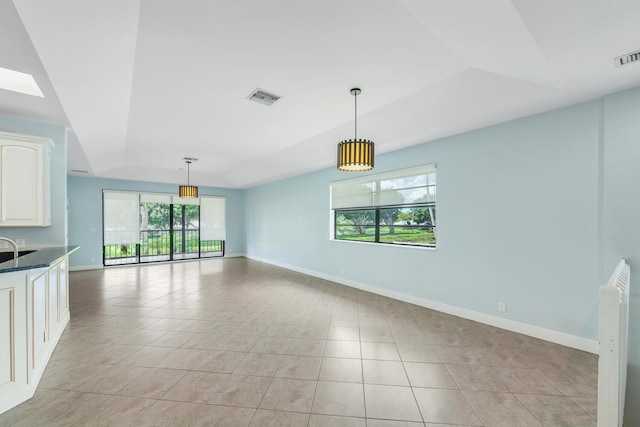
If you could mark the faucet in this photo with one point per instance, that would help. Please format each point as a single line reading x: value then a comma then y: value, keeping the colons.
x: 15, y: 250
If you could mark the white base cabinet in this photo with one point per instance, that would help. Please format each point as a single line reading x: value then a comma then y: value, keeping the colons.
x: 34, y: 310
x: 14, y: 366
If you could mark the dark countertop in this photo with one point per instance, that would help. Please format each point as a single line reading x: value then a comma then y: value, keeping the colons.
x: 39, y: 259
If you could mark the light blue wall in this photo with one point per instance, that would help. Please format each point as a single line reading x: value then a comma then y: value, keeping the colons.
x: 55, y: 234
x: 85, y: 215
x: 517, y: 222
x: 621, y: 211
x: 535, y: 212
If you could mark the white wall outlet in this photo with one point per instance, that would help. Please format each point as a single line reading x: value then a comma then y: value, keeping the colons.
x: 4, y: 244
x: 21, y: 243
x: 502, y: 307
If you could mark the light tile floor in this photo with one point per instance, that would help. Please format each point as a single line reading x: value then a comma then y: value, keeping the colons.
x: 234, y: 342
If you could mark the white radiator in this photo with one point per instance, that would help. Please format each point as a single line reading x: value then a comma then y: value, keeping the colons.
x: 612, y: 365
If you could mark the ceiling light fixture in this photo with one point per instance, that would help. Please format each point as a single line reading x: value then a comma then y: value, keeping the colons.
x: 188, y: 191
x: 355, y: 155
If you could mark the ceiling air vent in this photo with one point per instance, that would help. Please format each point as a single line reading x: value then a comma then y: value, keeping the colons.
x: 263, y: 97
x: 627, y: 59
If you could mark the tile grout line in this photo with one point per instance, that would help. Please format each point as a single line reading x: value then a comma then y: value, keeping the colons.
x: 181, y: 301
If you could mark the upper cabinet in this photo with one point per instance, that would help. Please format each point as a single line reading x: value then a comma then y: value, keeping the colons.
x: 25, y: 180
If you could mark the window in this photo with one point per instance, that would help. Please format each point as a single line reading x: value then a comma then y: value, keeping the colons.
x: 394, y: 208
x: 160, y: 227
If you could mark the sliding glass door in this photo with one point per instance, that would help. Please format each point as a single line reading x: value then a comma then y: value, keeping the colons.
x: 155, y: 231
x: 186, y: 231
x: 142, y: 228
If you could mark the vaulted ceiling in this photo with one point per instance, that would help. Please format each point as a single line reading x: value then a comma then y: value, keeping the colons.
x: 143, y: 83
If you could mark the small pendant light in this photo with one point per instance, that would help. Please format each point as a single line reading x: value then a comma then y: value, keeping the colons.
x: 188, y: 191
x: 355, y: 155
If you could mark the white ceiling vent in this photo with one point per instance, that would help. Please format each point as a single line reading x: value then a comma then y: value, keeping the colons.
x: 627, y: 59
x: 263, y: 97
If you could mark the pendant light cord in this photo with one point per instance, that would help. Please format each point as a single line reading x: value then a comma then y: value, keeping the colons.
x: 355, y: 132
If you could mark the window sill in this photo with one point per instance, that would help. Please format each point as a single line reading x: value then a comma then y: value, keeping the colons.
x: 393, y: 245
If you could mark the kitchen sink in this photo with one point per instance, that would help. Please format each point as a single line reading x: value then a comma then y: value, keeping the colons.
x: 8, y: 256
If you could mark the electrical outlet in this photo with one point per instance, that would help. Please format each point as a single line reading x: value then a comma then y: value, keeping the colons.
x: 502, y: 307
x: 4, y: 244
x: 20, y: 243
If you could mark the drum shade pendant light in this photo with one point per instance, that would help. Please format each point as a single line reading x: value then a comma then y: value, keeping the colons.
x: 355, y: 155
x: 188, y: 191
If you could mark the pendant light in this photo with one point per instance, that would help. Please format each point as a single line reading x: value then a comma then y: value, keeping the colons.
x: 188, y: 191
x: 355, y: 155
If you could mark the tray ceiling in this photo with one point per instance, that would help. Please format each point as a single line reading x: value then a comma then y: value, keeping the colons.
x: 142, y: 84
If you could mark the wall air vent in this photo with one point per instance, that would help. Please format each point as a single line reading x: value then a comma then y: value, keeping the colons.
x: 263, y: 97
x: 627, y: 59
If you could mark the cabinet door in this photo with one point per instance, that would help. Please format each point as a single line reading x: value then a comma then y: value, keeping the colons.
x: 25, y: 180
x: 39, y: 318
x: 13, y: 339
x: 19, y: 182
x: 7, y: 335
x: 53, y: 300
x: 63, y: 286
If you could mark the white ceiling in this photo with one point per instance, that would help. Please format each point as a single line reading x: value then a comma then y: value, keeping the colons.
x: 144, y: 83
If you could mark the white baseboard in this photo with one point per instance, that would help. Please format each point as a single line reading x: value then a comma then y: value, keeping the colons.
x: 561, y: 338
x: 235, y: 255
x: 86, y: 267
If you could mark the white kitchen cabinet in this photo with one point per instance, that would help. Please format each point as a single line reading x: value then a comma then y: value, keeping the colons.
x: 34, y: 311
x: 63, y: 290
x: 14, y: 368
x: 25, y: 180
x: 39, y: 334
x: 53, y: 304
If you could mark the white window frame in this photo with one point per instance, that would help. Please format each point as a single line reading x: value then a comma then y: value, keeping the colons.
x: 354, y: 198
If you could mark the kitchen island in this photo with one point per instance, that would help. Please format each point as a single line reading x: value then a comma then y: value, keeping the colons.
x: 34, y: 310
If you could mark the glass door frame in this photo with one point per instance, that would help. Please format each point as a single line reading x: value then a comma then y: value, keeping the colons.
x: 138, y: 258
